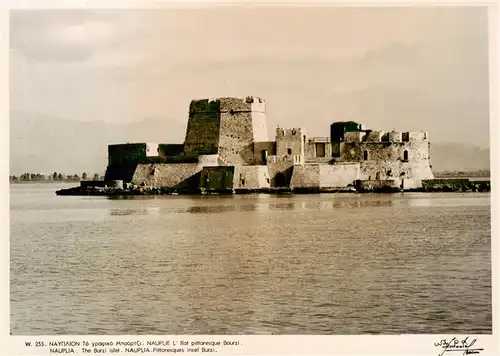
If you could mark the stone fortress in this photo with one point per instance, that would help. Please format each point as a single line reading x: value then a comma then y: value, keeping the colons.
x: 227, y: 148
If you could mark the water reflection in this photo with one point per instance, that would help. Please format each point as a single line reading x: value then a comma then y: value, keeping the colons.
x: 216, y: 206
x: 317, y: 264
x: 211, y: 209
x: 126, y: 212
x: 137, y: 211
x: 262, y: 203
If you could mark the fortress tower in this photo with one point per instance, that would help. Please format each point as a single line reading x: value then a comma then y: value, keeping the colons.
x: 290, y: 142
x: 227, y: 127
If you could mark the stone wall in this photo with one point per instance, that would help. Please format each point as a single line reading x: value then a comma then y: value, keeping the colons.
x: 170, y: 150
x: 410, y: 183
x: 242, y: 121
x: 251, y: 177
x: 217, y: 178
x: 123, y: 160
x: 262, y: 151
x: 178, y: 176
x: 324, y: 175
x: 318, y: 150
x: 280, y: 170
x: 236, y: 138
x: 338, y: 175
x: 250, y: 105
x: 337, y: 148
x: 247, y: 104
x: 389, y: 160
x: 172, y: 159
x: 354, y: 136
x: 259, y: 122
x: 123, y: 171
x: 227, y: 127
x: 390, y: 185
x: 227, y: 178
x: 202, y: 133
x: 290, y: 142
x: 127, y: 153
x: 208, y: 160
x: 307, y: 176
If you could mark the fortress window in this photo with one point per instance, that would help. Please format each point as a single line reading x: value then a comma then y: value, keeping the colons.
x: 320, y: 150
x: 365, y: 155
x: 289, y: 151
x: 405, y: 155
x: 264, y: 156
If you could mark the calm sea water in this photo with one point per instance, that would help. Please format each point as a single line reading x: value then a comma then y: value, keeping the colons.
x: 307, y: 264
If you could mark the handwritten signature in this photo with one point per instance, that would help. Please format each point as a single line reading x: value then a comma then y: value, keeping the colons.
x: 465, y: 346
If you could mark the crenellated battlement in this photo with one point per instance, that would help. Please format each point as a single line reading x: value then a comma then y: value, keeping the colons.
x: 227, y: 105
x: 416, y: 136
x: 290, y: 141
x: 289, y: 132
x: 394, y: 136
x: 381, y: 136
x: 152, y: 149
x: 354, y: 136
x: 374, y: 136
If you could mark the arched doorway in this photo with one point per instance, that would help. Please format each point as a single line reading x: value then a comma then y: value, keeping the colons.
x: 280, y: 180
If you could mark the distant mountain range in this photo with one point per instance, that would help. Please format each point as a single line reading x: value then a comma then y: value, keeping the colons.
x: 44, y: 144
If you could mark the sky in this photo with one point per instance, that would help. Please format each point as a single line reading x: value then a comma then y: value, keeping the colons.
x: 420, y: 68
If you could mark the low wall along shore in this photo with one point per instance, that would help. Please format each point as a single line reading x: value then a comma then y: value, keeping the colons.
x: 430, y: 185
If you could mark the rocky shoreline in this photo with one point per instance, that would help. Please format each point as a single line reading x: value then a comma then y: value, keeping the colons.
x: 434, y: 185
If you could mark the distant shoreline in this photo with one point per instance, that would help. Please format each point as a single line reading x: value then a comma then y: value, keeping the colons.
x: 463, y: 174
x: 44, y: 182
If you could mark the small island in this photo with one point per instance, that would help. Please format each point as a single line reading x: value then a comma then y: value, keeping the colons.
x: 227, y: 150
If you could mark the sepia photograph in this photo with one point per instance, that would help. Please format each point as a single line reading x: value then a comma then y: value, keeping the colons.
x: 245, y: 169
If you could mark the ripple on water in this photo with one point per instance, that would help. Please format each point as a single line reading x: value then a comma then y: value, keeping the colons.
x: 318, y: 264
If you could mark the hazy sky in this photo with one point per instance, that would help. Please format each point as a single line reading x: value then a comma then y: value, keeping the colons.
x: 389, y: 68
